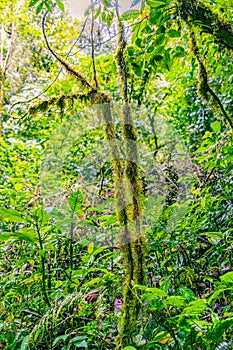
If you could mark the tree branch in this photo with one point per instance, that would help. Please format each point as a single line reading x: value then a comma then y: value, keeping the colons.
x: 204, y: 86
x: 68, y: 68
x: 203, y: 16
x: 93, y: 46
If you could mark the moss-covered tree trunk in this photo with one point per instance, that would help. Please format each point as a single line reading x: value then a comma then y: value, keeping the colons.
x: 132, y: 240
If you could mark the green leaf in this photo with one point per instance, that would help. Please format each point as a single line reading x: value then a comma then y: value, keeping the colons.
x: 4, y: 237
x: 129, y: 348
x: 216, y: 294
x: 97, y: 12
x: 42, y: 216
x: 162, y: 337
x: 39, y: 8
x: 107, y: 220
x: 61, y: 337
x: 104, y: 17
x: 155, y: 4
x: 24, y: 344
x: 195, y: 307
x: 216, y: 126
x: 213, y: 236
x: 11, y: 215
x: 33, y: 3
x: 186, y: 293
x: 153, y: 293
x: 110, y: 17
x: 60, y: 5
x: 99, y: 250
x: 130, y: 14
x: 175, y: 301
x: 27, y: 235
x: 75, y: 201
x: 79, y: 342
x: 82, y: 344
x: 94, y: 281
x: 174, y: 33
x: 140, y: 287
x: 90, y: 248
x: 228, y: 277
x: 155, y: 17
x: 49, y: 7
x: 220, y: 327
x: 160, y: 38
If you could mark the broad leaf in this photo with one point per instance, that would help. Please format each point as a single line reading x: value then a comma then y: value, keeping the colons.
x: 11, y: 215
x: 228, y: 277
x: 195, y: 307
x: 75, y: 201
x: 216, y: 126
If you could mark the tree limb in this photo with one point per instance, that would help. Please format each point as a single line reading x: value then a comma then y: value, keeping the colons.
x: 79, y: 77
x: 203, y: 16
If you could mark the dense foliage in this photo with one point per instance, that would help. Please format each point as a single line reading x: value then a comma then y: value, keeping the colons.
x: 116, y: 175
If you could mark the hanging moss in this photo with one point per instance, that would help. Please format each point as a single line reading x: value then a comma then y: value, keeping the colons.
x: 204, y: 89
x: 202, y: 73
x: 61, y: 101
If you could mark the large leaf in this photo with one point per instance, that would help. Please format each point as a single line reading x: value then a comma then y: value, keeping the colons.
x: 175, y: 301
x: 11, y: 215
x: 4, y: 237
x: 79, y: 342
x: 195, y: 307
x: 27, y: 235
x: 228, y: 277
x: 153, y: 293
x: 186, y: 293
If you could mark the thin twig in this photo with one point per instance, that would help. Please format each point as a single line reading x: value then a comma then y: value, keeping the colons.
x: 93, y: 46
x: 121, y: 58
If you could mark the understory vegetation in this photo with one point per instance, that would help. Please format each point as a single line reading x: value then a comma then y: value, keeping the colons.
x: 116, y: 186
